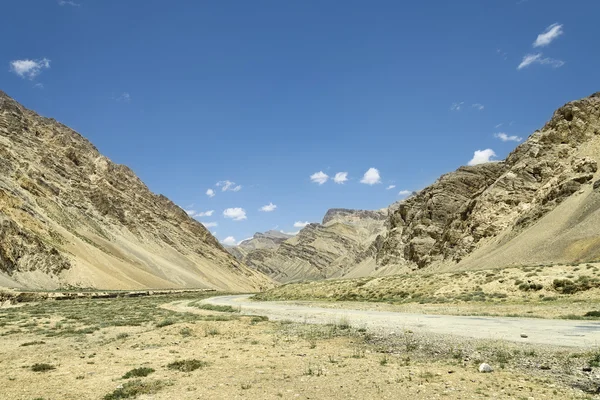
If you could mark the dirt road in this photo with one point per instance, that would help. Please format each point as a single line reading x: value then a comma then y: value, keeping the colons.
x: 538, y: 331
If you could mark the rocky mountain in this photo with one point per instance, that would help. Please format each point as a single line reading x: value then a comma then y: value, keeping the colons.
x: 540, y: 205
x: 71, y: 217
x: 270, y: 240
x: 341, y: 245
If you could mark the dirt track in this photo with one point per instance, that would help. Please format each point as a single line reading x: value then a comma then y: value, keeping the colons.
x: 539, y: 331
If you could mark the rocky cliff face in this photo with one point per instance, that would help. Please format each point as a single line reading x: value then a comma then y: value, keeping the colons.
x: 339, y: 245
x: 69, y: 216
x: 473, y: 216
x: 260, y: 243
x: 540, y: 205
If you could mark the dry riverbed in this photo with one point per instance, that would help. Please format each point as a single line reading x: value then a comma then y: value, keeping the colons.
x: 173, y: 347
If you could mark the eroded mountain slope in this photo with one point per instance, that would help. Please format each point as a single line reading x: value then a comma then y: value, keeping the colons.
x: 539, y: 205
x: 343, y: 242
x: 69, y: 216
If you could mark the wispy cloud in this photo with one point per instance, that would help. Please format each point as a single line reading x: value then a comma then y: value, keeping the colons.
x: 269, y: 207
x: 29, y: 69
x: 229, y: 241
x: 68, y: 3
x: 300, y: 224
x: 502, y: 53
x: 404, y: 193
x: 390, y: 187
x: 38, y: 85
x: 371, y: 177
x: 482, y: 156
x: 340, y: 177
x: 228, y: 186
x: 549, y: 35
x: 477, y: 106
x: 499, y: 125
x: 319, y: 177
x: 208, y: 213
x: 505, y: 138
x: 210, y: 193
x: 457, y: 106
x: 209, y: 224
x: 236, y: 213
x: 538, y: 58
x: 124, y: 97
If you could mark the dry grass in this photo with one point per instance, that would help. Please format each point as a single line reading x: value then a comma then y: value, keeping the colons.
x: 254, y: 358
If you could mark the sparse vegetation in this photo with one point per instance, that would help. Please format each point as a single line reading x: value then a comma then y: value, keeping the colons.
x: 138, y: 372
x: 42, y: 367
x: 187, y: 365
x: 135, y: 388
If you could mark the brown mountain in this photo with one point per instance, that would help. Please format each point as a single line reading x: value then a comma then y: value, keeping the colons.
x: 540, y: 205
x: 71, y: 217
x: 342, y: 245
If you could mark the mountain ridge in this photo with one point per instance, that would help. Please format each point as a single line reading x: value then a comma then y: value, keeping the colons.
x: 71, y: 217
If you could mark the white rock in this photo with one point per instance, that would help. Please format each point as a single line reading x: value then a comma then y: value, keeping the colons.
x: 485, y: 368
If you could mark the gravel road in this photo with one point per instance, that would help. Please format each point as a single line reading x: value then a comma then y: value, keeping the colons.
x: 538, y: 331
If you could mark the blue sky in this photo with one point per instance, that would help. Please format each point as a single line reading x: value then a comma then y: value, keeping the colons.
x: 266, y: 94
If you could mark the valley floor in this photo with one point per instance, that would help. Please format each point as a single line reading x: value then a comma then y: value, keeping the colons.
x: 176, y: 347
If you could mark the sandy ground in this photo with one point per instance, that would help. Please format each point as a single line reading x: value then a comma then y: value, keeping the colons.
x: 247, y: 357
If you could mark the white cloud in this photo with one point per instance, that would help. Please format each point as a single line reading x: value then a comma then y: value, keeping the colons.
x: 269, y: 207
x: 290, y: 233
x: 300, y: 224
x: 208, y: 213
x: 229, y: 240
x: 404, y: 193
x: 551, y: 33
x: 390, y: 187
x: 191, y: 213
x: 236, y: 214
x: 68, y: 3
x: 228, y: 185
x: 210, y: 193
x: 29, y: 68
x: 505, y: 138
x: 478, y: 106
x: 482, y: 156
x: 319, y: 177
x: 340, y: 177
x: 39, y: 86
x: 538, y: 59
x: 371, y: 177
x: 209, y: 224
x: 499, y: 125
x: 124, y: 97
x: 456, y: 106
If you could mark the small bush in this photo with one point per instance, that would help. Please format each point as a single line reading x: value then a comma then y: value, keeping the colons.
x: 134, y: 388
x: 33, y: 343
x: 594, y: 314
x: 42, y: 367
x: 138, y: 372
x: 165, y: 322
x: 212, y: 307
x: 187, y: 365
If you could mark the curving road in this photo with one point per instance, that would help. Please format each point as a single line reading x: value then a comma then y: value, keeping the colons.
x: 539, y: 331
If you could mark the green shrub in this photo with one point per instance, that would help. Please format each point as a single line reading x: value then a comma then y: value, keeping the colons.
x: 187, y: 365
x: 134, y: 388
x: 138, y: 372
x: 42, y: 367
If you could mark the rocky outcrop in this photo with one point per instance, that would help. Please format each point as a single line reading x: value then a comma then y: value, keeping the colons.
x: 344, y: 240
x: 71, y: 217
x: 469, y: 216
